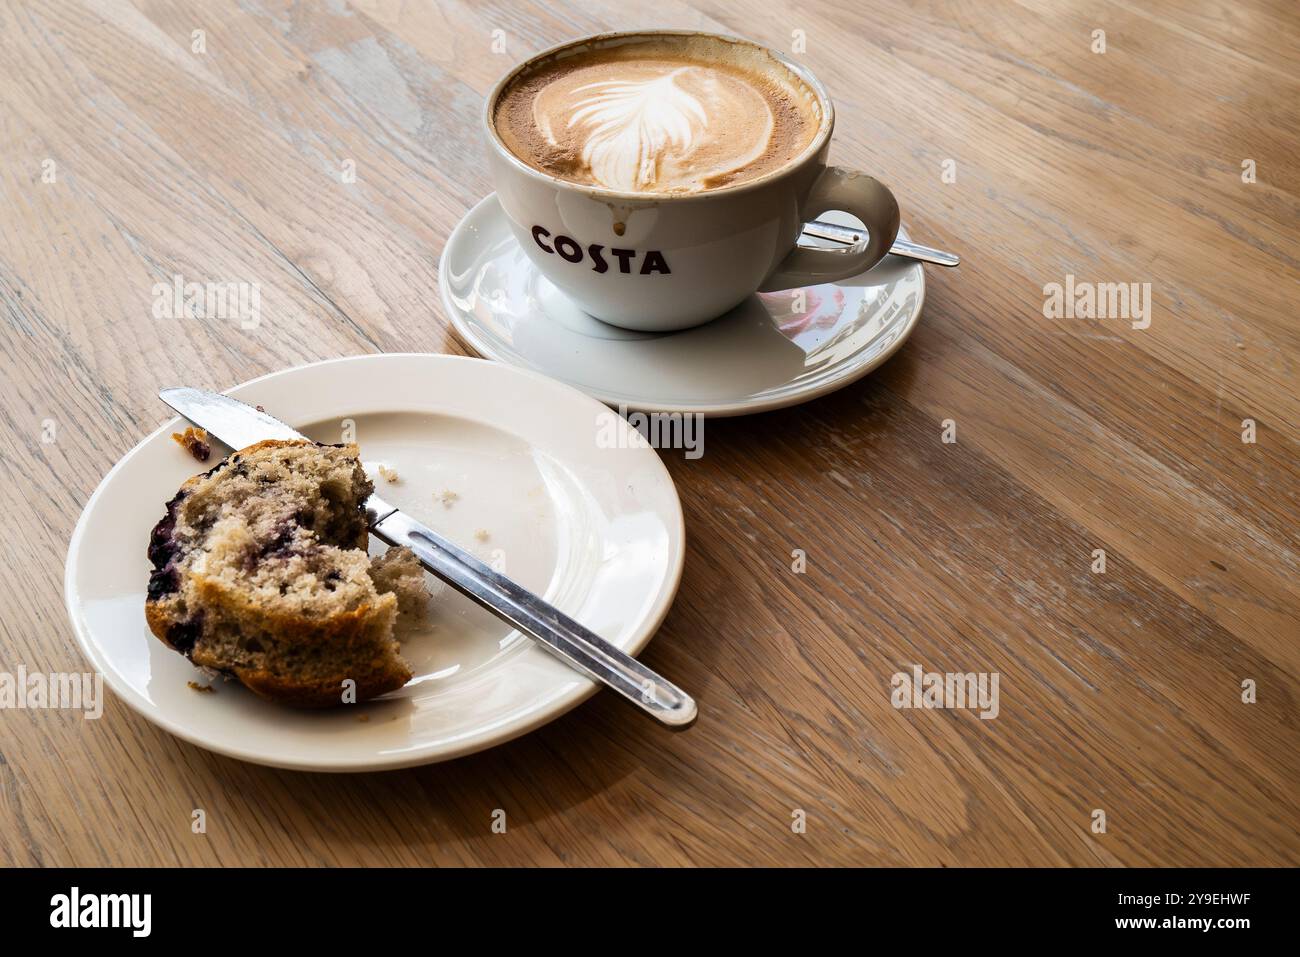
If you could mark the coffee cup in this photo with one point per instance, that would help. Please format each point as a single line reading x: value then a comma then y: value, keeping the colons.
x: 659, y: 178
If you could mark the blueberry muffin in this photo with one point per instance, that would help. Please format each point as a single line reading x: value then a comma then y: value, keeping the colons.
x: 260, y: 571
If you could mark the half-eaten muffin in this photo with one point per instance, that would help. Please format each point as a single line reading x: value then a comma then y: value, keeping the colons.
x: 260, y: 571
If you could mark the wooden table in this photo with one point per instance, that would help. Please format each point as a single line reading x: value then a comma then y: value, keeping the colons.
x: 126, y: 157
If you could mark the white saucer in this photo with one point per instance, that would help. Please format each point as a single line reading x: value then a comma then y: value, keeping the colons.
x: 765, y: 354
x: 589, y: 520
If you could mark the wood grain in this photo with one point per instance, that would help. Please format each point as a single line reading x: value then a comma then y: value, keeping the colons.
x: 1120, y: 691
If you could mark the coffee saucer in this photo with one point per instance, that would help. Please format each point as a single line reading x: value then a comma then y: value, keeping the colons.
x: 773, y: 350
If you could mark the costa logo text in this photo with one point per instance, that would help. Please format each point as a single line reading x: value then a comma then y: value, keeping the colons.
x: 628, y: 260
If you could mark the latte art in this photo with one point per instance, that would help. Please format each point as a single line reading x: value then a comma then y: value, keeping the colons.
x: 632, y: 126
x: 656, y: 128
x: 656, y: 118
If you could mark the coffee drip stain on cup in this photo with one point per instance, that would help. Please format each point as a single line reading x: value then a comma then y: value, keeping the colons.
x: 621, y: 214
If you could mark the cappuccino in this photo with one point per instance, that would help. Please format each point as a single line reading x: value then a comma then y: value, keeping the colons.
x: 667, y: 114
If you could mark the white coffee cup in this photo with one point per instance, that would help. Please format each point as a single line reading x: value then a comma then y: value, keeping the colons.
x: 661, y: 262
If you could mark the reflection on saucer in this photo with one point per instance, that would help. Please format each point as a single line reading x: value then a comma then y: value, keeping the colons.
x: 802, y: 313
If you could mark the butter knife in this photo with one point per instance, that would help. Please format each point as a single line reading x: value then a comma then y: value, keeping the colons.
x: 239, y: 425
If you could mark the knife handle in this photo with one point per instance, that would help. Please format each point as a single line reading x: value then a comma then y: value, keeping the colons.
x: 558, y: 633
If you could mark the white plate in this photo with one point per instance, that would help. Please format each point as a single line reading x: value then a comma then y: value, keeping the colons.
x: 587, y: 518
x: 774, y: 350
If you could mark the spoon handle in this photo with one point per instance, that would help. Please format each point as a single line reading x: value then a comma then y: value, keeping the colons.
x: 902, y: 247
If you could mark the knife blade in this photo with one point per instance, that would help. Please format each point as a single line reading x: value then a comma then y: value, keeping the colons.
x: 239, y: 425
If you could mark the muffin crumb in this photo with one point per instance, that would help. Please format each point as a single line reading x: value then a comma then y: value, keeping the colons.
x: 400, y: 572
x: 388, y: 474
x: 205, y: 689
x: 481, y: 534
x: 448, y: 498
x: 194, y: 441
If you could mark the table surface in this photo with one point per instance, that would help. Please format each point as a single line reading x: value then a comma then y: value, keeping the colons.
x: 126, y: 158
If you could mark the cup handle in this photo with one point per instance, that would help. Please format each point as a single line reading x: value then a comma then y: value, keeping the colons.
x: 856, y: 193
